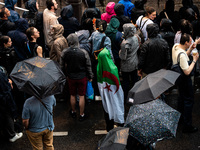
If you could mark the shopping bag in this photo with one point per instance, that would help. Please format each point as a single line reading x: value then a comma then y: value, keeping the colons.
x: 89, y: 91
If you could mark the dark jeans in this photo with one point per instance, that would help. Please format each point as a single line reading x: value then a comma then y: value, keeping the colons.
x: 129, y: 79
x: 7, y: 124
x: 186, y: 99
x: 94, y: 81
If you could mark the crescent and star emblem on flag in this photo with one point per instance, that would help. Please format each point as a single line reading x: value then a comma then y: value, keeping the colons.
x: 112, y: 77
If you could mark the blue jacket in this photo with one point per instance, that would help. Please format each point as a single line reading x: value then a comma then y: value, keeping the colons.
x: 128, y: 7
x: 19, y: 38
x: 14, y: 16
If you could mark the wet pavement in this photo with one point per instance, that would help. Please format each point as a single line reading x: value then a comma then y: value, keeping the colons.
x: 81, y: 135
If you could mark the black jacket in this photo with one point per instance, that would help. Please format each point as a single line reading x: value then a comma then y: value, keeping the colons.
x: 75, y: 62
x: 8, y: 58
x: 6, y: 26
x: 70, y: 23
x: 154, y: 53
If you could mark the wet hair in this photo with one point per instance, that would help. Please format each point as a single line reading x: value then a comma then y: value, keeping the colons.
x: 87, y: 24
x: 149, y: 10
x: 4, y: 40
x: 2, y: 12
x: 29, y: 33
x: 102, y: 26
x: 186, y: 27
x: 49, y: 3
x: 185, y: 38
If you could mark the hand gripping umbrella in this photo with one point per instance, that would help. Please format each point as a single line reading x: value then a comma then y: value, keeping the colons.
x: 38, y: 77
x: 151, y: 86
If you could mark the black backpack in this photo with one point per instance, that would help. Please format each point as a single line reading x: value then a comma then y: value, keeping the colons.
x: 8, y: 59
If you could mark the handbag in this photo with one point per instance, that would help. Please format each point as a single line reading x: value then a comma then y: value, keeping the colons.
x: 177, y: 67
x: 89, y: 91
x: 96, y: 53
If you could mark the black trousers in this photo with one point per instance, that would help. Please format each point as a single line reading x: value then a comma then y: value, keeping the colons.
x: 110, y: 123
x: 7, y: 125
x: 186, y: 99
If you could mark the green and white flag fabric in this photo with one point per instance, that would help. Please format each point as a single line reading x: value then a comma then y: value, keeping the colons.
x: 109, y: 87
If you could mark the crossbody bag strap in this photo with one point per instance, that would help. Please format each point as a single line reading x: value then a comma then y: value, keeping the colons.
x: 102, y: 42
x: 45, y: 106
x: 178, y: 57
x: 143, y: 23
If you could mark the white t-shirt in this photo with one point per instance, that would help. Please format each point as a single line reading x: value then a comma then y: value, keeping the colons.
x: 183, y: 57
x: 144, y: 31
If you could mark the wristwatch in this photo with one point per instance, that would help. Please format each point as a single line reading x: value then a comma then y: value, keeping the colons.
x: 194, y: 61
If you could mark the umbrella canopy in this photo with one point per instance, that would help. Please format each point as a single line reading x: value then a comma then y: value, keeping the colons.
x: 152, y: 121
x: 38, y: 77
x: 151, y: 86
x: 116, y: 139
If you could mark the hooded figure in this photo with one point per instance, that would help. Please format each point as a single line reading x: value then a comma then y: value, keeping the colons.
x: 19, y: 37
x: 128, y: 6
x: 70, y: 23
x: 129, y: 48
x: 91, y: 12
x: 129, y: 57
x: 14, y: 16
x: 31, y: 15
x: 109, y: 12
x: 138, y: 10
x: 119, y: 10
x: 77, y: 65
x: 154, y: 53
x: 31, y: 6
x: 59, y: 44
x: 172, y: 15
x: 167, y: 33
x: 116, y: 39
x: 188, y: 4
x: 83, y: 36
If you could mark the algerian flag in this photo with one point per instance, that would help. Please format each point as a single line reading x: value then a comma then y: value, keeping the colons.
x: 109, y: 87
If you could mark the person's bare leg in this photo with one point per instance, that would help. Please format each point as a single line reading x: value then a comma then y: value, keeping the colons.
x: 81, y: 104
x: 73, y: 102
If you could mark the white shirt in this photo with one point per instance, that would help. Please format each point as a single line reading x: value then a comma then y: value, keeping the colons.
x: 144, y: 31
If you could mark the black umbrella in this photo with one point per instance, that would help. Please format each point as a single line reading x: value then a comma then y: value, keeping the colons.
x: 38, y: 77
x: 151, y: 86
x: 116, y: 139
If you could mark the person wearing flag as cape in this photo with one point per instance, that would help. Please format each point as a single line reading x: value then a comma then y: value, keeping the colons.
x: 110, y: 90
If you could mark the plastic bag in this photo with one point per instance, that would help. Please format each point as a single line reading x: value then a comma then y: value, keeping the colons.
x: 89, y: 91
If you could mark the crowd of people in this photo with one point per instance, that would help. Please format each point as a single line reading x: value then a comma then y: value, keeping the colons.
x: 139, y: 41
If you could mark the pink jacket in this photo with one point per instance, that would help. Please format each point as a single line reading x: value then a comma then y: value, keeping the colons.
x: 109, y: 12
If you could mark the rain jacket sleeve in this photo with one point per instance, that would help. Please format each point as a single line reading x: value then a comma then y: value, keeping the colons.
x: 55, y: 52
x: 124, y: 48
x: 88, y: 65
x: 62, y: 61
x: 107, y: 44
x: 142, y: 56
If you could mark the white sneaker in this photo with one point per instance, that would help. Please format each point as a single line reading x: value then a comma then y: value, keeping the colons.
x: 16, y: 137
